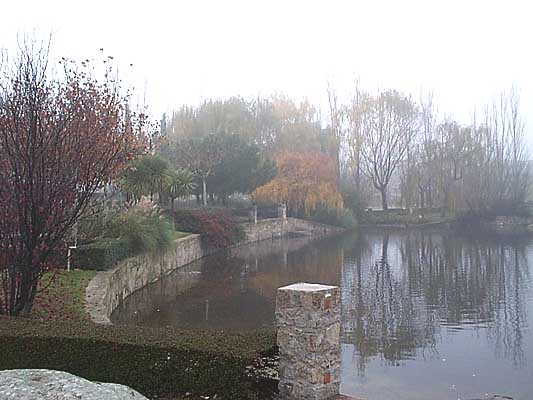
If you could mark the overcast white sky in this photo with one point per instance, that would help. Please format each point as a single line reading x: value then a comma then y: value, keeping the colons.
x: 465, y: 51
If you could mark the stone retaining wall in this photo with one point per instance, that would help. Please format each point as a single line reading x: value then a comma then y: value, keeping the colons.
x: 109, y: 288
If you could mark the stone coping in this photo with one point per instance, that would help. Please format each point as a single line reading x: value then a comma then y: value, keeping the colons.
x: 95, y: 295
x: 307, y: 287
x: 97, y: 290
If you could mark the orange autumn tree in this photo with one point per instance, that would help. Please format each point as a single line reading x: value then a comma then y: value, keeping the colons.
x: 304, y: 181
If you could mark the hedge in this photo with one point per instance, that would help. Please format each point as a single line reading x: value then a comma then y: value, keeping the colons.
x: 156, y: 362
x: 102, y: 254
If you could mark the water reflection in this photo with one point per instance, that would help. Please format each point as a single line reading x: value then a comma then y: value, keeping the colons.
x: 444, y: 315
x: 236, y: 290
x: 379, y: 315
x: 435, y: 281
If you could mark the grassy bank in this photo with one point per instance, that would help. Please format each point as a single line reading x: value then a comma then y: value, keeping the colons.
x: 61, y: 296
x: 163, y: 363
x: 404, y: 218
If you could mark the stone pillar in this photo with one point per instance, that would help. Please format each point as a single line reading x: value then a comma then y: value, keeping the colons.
x: 308, y: 319
x: 253, y: 214
x: 282, y: 211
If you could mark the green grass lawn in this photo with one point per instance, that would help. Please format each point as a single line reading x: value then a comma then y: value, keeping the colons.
x: 61, y: 296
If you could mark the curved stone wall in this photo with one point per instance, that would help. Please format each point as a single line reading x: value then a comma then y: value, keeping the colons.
x: 109, y: 288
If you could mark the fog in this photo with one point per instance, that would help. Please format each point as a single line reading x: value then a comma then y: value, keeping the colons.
x: 185, y: 52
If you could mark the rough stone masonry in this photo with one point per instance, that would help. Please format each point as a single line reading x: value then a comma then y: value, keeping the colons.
x: 308, y: 318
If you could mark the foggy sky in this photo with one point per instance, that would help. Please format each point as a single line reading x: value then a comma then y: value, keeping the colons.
x: 465, y: 52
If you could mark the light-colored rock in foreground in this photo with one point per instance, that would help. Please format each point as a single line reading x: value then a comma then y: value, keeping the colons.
x: 43, y: 384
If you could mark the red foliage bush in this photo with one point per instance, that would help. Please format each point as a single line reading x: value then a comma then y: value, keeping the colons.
x: 217, y: 227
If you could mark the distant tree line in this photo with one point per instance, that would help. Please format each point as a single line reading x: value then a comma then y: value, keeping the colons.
x: 231, y: 145
x: 480, y: 168
x: 375, y: 141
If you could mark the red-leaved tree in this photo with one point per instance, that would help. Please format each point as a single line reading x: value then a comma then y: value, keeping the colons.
x: 63, y: 136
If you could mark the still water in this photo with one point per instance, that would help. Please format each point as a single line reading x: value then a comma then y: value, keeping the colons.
x: 426, y: 314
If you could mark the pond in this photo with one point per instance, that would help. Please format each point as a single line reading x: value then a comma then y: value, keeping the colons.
x: 426, y: 314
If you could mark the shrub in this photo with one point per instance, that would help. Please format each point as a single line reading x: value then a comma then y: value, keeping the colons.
x: 144, y: 230
x: 101, y: 254
x: 156, y: 362
x: 343, y: 217
x: 217, y: 227
x: 353, y: 201
x: 132, y: 232
x: 186, y: 221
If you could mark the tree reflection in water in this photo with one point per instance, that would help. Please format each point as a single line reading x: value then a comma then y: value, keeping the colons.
x: 399, y: 299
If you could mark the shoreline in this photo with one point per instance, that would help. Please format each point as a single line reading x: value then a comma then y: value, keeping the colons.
x: 108, y: 289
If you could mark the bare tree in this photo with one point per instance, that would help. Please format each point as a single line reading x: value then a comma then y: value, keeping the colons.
x: 337, y: 114
x: 418, y: 173
x: 354, y: 138
x: 498, y: 174
x: 388, y: 124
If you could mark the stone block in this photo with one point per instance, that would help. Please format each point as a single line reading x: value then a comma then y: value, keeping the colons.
x: 308, y: 318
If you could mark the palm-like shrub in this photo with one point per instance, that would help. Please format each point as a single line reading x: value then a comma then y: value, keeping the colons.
x: 178, y: 183
x: 146, y: 175
x: 145, y: 229
x: 151, y: 174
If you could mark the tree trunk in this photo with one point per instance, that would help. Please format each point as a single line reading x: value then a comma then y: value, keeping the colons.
x: 444, y: 205
x: 358, y: 179
x: 383, y: 192
x: 28, y: 306
x: 23, y: 305
x: 422, y: 198
x: 204, y: 191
